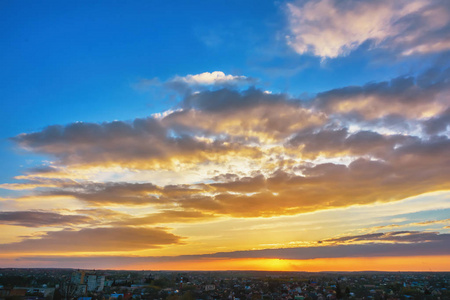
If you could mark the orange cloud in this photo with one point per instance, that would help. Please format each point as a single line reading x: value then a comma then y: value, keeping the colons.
x: 41, y: 219
x: 94, y: 240
x: 403, y: 170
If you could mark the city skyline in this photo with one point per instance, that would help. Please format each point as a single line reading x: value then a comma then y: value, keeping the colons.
x: 238, y: 135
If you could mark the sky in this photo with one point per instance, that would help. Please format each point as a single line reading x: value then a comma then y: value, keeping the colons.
x: 225, y: 135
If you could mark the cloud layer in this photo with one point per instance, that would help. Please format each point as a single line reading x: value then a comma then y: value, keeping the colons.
x: 355, y: 145
x: 421, y: 244
x: 94, y: 240
x: 41, y: 219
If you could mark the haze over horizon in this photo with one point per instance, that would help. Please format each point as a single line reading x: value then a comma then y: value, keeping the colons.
x: 304, y: 135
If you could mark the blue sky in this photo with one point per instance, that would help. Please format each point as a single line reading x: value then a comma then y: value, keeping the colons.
x: 64, y: 62
x: 78, y: 61
x: 263, y: 88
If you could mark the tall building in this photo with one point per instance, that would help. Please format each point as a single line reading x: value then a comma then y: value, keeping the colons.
x: 100, y: 283
x: 95, y: 283
x: 77, y: 277
x: 87, y: 282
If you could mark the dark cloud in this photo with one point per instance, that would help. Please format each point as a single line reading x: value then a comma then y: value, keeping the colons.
x: 340, y: 141
x: 438, y: 124
x: 109, y: 193
x: 367, y: 250
x: 144, y: 141
x: 434, y: 244
x: 95, y: 239
x: 246, y: 118
x: 395, y: 236
x: 404, y: 96
x: 41, y: 219
x: 227, y: 99
x: 363, y: 250
x: 42, y: 170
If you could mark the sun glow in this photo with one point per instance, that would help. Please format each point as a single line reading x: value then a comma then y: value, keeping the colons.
x: 422, y: 263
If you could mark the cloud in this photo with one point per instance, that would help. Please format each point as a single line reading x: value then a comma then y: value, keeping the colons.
x: 197, y: 82
x: 432, y: 222
x: 412, y: 98
x: 109, y: 193
x: 331, y: 28
x: 270, y: 152
x: 340, y: 141
x: 101, y: 213
x: 436, y: 244
x: 211, y: 126
x: 144, y: 142
x: 414, y: 224
x: 405, y: 171
x: 364, y: 250
x: 32, y: 182
x: 42, y: 170
x: 246, y: 117
x: 207, y: 78
x: 166, y: 216
x: 215, y: 126
x: 433, y: 247
x: 125, y: 193
x: 94, y: 240
x: 404, y: 168
x: 391, y: 237
x: 231, y: 100
x: 41, y: 219
x: 437, y: 124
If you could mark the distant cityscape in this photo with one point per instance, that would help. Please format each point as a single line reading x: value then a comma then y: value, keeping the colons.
x: 72, y: 284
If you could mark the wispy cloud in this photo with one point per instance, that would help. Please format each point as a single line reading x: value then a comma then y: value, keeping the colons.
x: 41, y: 219
x: 331, y: 28
x: 390, y: 237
